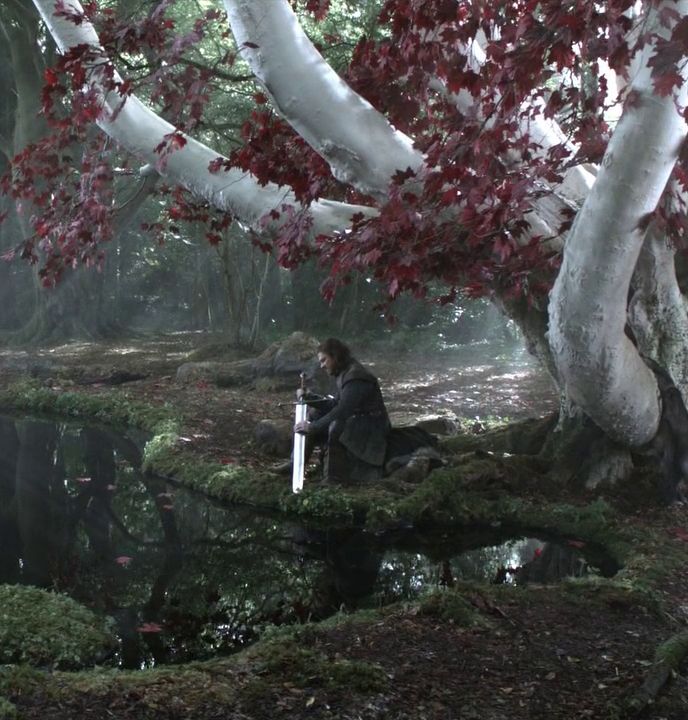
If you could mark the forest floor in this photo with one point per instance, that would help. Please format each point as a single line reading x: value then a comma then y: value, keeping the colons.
x: 545, y: 653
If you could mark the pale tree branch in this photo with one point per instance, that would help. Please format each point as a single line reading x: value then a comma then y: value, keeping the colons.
x: 139, y: 130
x: 358, y: 142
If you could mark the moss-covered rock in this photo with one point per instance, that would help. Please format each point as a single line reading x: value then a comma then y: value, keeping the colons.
x: 450, y: 606
x: 42, y: 628
x: 8, y: 710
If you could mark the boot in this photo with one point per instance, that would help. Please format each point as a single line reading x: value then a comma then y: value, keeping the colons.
x: 283, y: 468
x: 286, y: 467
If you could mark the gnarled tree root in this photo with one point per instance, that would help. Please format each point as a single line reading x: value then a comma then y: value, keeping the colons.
x: 668, y: 658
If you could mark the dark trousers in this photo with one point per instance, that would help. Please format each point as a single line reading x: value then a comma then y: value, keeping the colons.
x: 335, y: 459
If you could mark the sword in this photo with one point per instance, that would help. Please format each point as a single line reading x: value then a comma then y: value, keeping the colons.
x: 327, y: 398
x: 299, y: 443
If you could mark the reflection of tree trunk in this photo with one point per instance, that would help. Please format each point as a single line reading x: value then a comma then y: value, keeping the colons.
x: 10, y: 546
x: 170, y: 567
x: 130, y: 646
x: 100, y: 465
x: 554, y: 563
x: 351, y: 570
x: 35, y: 467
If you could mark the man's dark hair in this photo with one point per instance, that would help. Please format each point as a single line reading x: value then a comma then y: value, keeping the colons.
x: 338, y: 351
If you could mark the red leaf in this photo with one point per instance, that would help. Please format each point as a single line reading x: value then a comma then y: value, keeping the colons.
x: 149, y: 627
x: 679, y: 533
x: 664, y: 84
x: 50, y: 77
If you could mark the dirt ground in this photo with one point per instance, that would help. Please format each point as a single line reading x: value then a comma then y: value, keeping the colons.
x: 541, y: 654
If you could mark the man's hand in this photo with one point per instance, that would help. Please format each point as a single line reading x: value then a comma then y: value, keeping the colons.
x: 302, y: 427
x: 300, y: 393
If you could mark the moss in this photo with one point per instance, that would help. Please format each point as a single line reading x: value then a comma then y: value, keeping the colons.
x: 112, y: 406
x: 8, y: 710
x: 43, y: 628
x: 501, y: 436
x: 674, y: 651
x: 611, y: 592
x: 356, y: 676
x: 303, y: 665
x: 450, y: 606
x: 20, y: 679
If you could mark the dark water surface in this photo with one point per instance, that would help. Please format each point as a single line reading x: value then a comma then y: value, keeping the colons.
x: 185, y: 578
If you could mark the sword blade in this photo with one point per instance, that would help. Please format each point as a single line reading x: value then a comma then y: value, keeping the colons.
x: 299, y: 450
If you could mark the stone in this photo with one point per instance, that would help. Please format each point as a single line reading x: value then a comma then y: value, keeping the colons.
x: 225, y: 374
x: 439, y: 424
x: 274, y: 437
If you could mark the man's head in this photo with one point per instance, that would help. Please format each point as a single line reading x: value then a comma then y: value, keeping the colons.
x: 333, y: 356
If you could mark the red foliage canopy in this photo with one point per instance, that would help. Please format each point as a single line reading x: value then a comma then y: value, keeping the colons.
x: 460, y: 224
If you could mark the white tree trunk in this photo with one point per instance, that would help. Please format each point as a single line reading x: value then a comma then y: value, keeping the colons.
x: 602, y: 370
x: 139, y: 130
x: 358, y: 142
x: 658, y: 313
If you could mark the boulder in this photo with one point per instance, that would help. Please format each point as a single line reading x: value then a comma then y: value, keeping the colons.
x: 274, y: 437
x: 415, y: 467
x: 225, y: 374
x: 281, y: 362
x: 439, y: 424
x: 289, y: 357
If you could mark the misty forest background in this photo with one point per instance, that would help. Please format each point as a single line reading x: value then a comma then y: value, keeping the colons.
x: 168, y: 277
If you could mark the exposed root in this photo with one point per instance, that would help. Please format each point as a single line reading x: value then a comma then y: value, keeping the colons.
x: 668, y: 659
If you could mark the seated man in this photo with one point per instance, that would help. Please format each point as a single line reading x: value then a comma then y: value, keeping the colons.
x: 353, y: 426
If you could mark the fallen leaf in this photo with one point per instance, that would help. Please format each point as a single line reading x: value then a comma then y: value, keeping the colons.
x: 149, y: 627
x: 679, y: 533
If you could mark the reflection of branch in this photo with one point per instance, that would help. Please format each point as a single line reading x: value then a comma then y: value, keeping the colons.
x: 251, y: 540
x: 121, y: 527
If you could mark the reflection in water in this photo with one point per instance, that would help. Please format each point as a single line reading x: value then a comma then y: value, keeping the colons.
x: 185, y: 578
x: 522, y: 561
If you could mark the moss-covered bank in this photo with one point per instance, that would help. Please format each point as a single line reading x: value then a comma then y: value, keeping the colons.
x: 47, y: 629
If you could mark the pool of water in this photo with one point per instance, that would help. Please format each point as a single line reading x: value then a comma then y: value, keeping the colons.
x: 186, y: 578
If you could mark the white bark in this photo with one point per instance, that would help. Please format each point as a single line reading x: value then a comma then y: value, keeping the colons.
x: 601, y: 368
x: 139, y: 130
x: 358, y: 142
x: 546, y: 216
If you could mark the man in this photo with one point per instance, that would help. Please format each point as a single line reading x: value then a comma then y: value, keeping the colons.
x: 353, y: 426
